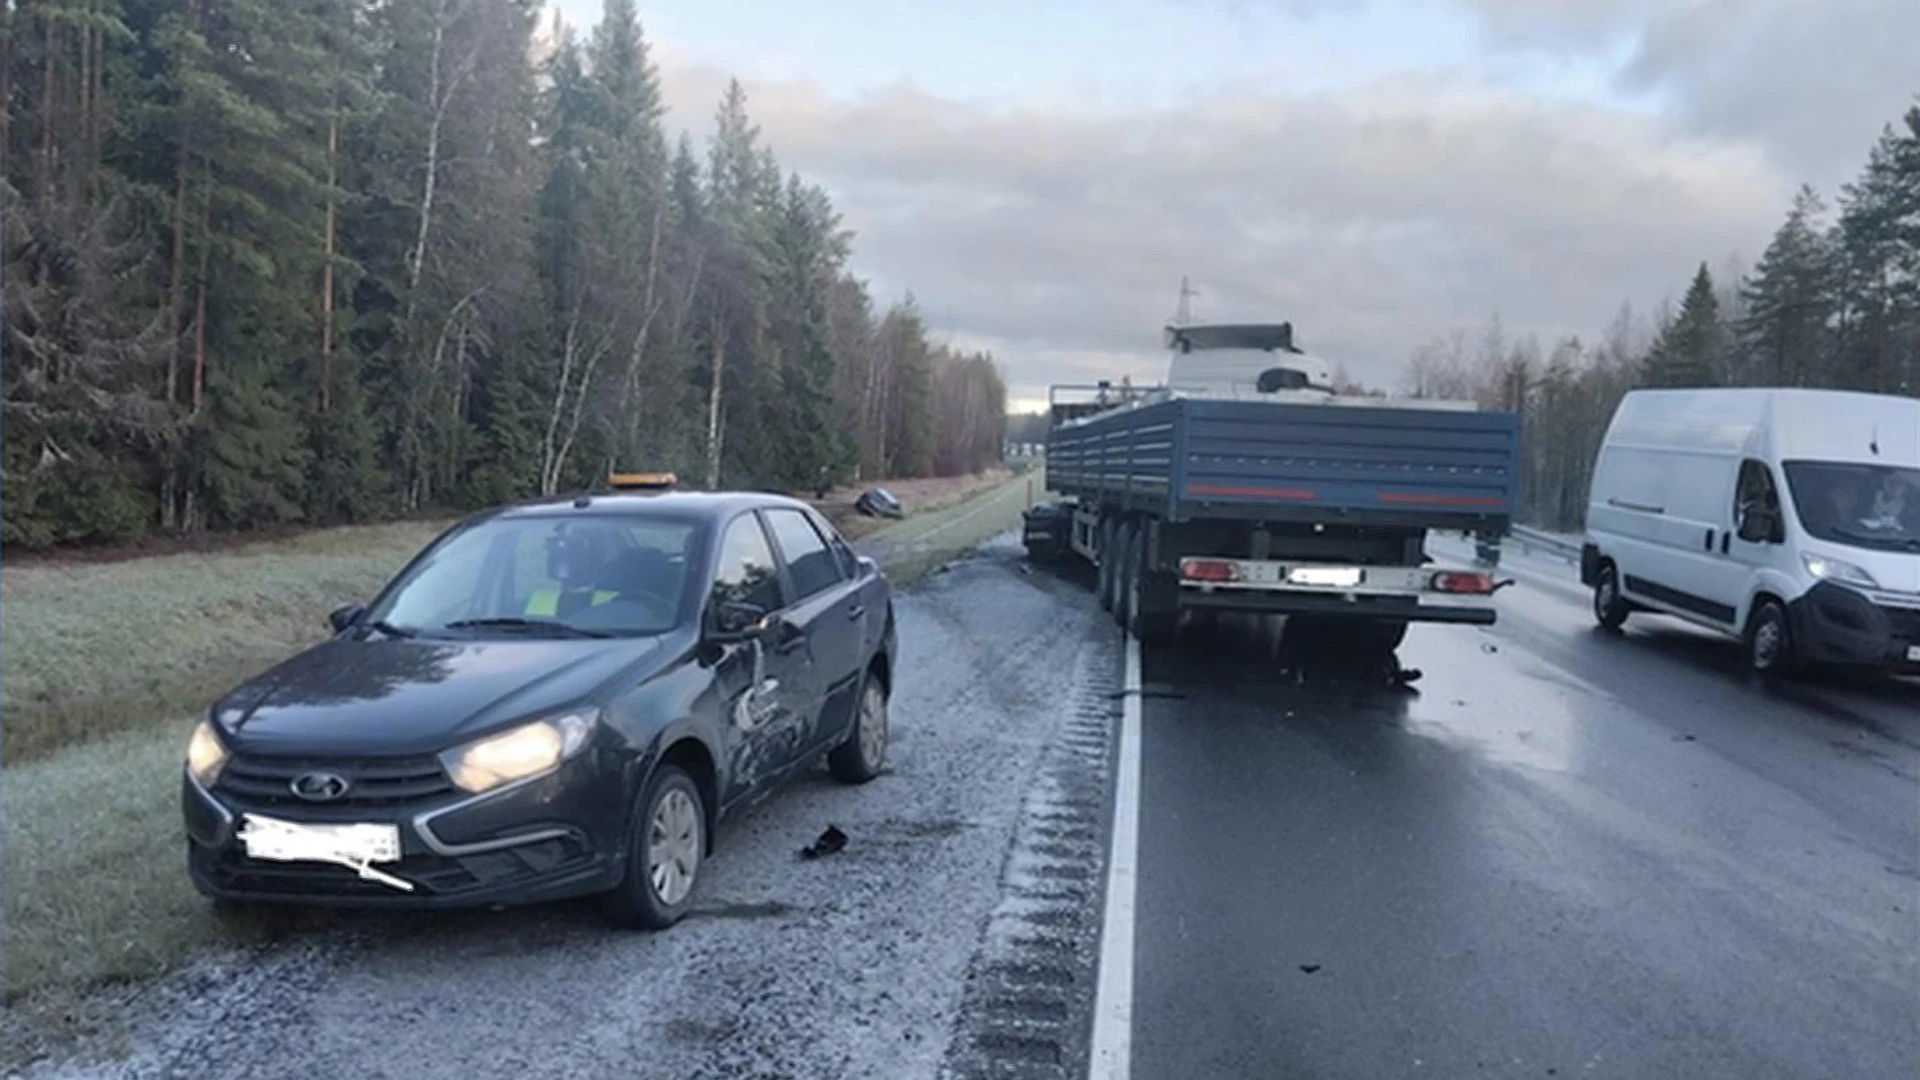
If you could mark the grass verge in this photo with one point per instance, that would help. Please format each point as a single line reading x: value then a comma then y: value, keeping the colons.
x: 94, y: 858
x: 95, y: 649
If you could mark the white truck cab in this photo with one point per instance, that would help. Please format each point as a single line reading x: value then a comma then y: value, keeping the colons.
x: 1789, y: 519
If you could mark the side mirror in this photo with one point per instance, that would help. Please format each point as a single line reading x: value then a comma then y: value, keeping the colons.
x: 342, y: 618
x: 737, y: 621
x: 1761, y: 527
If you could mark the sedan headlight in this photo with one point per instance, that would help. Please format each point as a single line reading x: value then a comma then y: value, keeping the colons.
x: 517, y: 753
x: 1827, y: 568
x: 206, y: 754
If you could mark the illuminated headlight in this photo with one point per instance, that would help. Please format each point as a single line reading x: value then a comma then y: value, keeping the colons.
x: 517, y: 753
x: 205, y: 754
x: 1830, y: 569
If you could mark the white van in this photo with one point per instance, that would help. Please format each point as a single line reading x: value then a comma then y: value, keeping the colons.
x: 1787, y: 518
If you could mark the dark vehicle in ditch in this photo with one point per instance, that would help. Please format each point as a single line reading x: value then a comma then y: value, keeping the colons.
x: 553, y: 699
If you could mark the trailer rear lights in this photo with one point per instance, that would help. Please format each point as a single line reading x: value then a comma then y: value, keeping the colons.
x: 1325, y: 577
x: 1208, y: 570
x: 1462, y: 581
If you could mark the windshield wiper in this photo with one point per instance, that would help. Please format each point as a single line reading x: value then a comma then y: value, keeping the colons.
x: 391, y: 630
x: 551, y: 626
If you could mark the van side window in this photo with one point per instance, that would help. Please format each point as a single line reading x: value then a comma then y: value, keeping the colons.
x: 1756, y: 505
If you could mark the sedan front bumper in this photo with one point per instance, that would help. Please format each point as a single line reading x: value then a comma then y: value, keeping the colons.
x: 547, y: 838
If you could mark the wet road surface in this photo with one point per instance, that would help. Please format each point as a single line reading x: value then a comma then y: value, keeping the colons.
x: 1563, y: 854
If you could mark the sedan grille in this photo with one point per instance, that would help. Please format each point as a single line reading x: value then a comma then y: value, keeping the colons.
x: 436, y: 874
x: 268, y: 782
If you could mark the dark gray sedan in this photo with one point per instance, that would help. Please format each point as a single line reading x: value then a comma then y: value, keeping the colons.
x: 553, y: 699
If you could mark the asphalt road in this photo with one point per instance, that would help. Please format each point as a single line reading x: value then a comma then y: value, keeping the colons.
x: 1558, y: 853
x: 1562, y: 854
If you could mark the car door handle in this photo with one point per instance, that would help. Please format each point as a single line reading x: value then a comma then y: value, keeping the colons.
x: 782, y: 648
x: 856, y: 611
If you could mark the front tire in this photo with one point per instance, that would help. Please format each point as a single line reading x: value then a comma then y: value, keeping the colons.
x: 864, y: 753
x: 665, y: 851
x: 1769, y: 639
x: 1609, y: 609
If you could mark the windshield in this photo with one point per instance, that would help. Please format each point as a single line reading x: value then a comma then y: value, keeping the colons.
x: 1871, y: 506
x: 558, y: 576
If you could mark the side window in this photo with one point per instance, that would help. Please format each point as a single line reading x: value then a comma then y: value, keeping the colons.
x: 746, y: 572
x: 1756, y: 505
x: 842, y: 554
x: 808, y: 560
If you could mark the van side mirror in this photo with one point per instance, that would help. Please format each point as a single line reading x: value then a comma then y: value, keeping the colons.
x: 343, y: 617
x: 1762, y: 527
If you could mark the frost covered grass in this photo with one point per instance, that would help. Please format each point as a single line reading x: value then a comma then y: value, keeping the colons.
x: 105, y: 668
x: 96, y: 649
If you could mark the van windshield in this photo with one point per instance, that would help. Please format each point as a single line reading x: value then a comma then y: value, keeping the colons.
x: 1870, y: 506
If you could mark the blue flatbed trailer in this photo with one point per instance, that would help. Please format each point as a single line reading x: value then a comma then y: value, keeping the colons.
x: 1308, y: 508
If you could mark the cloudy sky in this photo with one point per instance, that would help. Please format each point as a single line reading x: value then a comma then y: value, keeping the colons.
x: 1041, y: 174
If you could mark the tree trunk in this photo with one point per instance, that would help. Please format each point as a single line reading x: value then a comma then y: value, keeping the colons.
x: 177, y: 274
x: 649, y: 307
x: 719, y: 350
x: 200, y: 303
x: 47, y: 110
x: 326, y: 268
x: 6, y: 92
x: 416, y: 258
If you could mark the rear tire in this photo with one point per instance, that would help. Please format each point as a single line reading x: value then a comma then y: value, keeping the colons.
x: 1125, y: 569
x: 1151, y: 627
x: 666, y: 848
x: 864, y: 753
x: 1769, y: 639
x: 1609, y: 609
x: 1103, y: 583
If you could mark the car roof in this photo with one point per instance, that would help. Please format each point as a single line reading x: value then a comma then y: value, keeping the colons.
x: 691, y: 506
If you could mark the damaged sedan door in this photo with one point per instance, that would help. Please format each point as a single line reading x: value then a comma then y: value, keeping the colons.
x: 765, y: 678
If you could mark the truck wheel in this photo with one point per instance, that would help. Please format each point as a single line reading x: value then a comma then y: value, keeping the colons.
x: 1125, y: 568
x: 1608, y: 607
x: 1103, y: 582
x: 1770, y: 647
x: 1151, y: 627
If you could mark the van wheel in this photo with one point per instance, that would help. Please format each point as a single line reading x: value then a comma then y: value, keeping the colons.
x: 1770, y: 648
x: 1608, y: 606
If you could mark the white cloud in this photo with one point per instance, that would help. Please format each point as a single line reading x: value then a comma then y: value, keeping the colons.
x: 1372, y: 219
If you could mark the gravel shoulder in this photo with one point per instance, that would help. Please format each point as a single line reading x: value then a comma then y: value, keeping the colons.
x: 855, y: 965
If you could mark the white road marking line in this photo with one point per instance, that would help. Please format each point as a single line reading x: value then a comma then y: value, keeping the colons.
x: 1112, y: 1057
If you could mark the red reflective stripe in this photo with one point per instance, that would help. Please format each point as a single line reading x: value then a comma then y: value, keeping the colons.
x: 1230, y: 491
x: 1440, y: 500
x: 1207, y: 570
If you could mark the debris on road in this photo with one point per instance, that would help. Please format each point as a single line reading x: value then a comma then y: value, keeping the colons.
x: 827, y: 843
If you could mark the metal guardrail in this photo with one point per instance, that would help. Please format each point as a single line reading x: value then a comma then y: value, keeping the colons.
x: 1544, y: 541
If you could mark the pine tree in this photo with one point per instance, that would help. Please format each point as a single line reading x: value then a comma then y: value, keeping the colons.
x: 1790, y: 301
x: 1880, y: 255
x: 1689, y: 350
